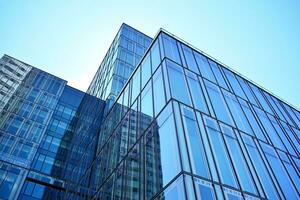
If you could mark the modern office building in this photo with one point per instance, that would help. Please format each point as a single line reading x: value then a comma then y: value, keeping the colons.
x: 160, y: 120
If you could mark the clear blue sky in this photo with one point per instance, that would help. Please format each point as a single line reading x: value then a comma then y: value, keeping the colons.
x: 259, y: 39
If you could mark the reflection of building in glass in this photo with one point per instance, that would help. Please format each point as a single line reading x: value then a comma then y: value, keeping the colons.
x: 168, y: 122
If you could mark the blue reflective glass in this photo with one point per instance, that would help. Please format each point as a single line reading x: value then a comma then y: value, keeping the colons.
x: 234, y: 83
x: 158, y: 91
x: 222, y: 160
x: 260, y: 98
x: 146, y: 101
x: 283, y: 179
x: 247, y: 90
x: 197, y: 93
x: 290, y: 169
x: 204, y: 190
x: 177, y: 80
x: 171, y: 49
x: 146, y: 70
x: 194, y: 143
x: 189, y: 58
x: 260, y: 167
x: 252, y: 120
x: 273, y: 136
x: 170, y: 163
x: 155, y: 56
x: 218, y: 103
x: 218, y: 74
x: 282, y: 135
x: 237, y: 113
x: 238, y: 160
x: 204, y: 67
x: 174, y: 192
x: 136, y: 85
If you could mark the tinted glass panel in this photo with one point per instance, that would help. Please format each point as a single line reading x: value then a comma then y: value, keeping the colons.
x: 177, y: 80
x: 197, y: 93
x: 190, y: 60
x: 171, y: 49
x: 204, y: 67
x: 218, y: 103
x: 194, y: 142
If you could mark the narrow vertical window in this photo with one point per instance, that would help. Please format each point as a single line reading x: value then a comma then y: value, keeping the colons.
x: 197, y: 93
x: 177, y: 82
x: 218, y: 103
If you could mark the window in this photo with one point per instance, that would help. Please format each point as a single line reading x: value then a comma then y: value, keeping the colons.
x: 237, y: 113
x: 14, y: 124
x: 273, y: 136
x: 220, y: 154
x: 146, y: 101
x: 177, y: 83
x: 234, y: 83
x: 174, y: 192
x: 194, y: 143
x: 204, y: 67
x: 238, y: 160
x: 189, y: 58
x: 261, y: 99
x: 280, y: 173
x: 158, y: 91
x: 155, y: 57
x: 218, y: 103
x: 146, y: 70
x: 290, y: 169
x: 262, y: 172
x: 282, y: 135
x: 247, y: 90
x: 204, y: 189
x: 136, y: 85
x: 168, y: 145
x: 171, y: 49
x: 218, y: 74
x: 196, y: 92
x: 252, y: 120
x: 7, y: 183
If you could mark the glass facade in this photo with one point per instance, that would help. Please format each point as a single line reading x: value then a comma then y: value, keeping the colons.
x: 160, y: 120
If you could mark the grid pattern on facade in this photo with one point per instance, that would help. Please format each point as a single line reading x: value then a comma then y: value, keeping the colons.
x: 185, y: 126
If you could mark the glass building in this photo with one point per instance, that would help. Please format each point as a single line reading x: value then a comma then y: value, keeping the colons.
x: 160, y: 120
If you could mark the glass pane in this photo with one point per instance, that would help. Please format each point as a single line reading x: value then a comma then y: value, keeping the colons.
x: 260, y: 167
x: 171, y: 49
x: 204, y: 67
x: 238, y: 160
x: 219, y: 151
x: 269, y: 129
x: 177, y: 81
x: 194, y: 143
x: 146, y: 101
x: 247, y: 90
x: 280, y: 173
x: 204, y: 190
x: 197, y: 93
x: 237, y: 112
x: 136, y: 85
x: 260, y: 98
x: 167, y: 145
x: 155, y: 56
x: 218, y: 103
x: 189, y: 58
x: 218, y: 74
x: 252, y: 120
x: 146, y: 70
x: 158, y: 91
x: 234, y: 83
x: 175, y: 191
